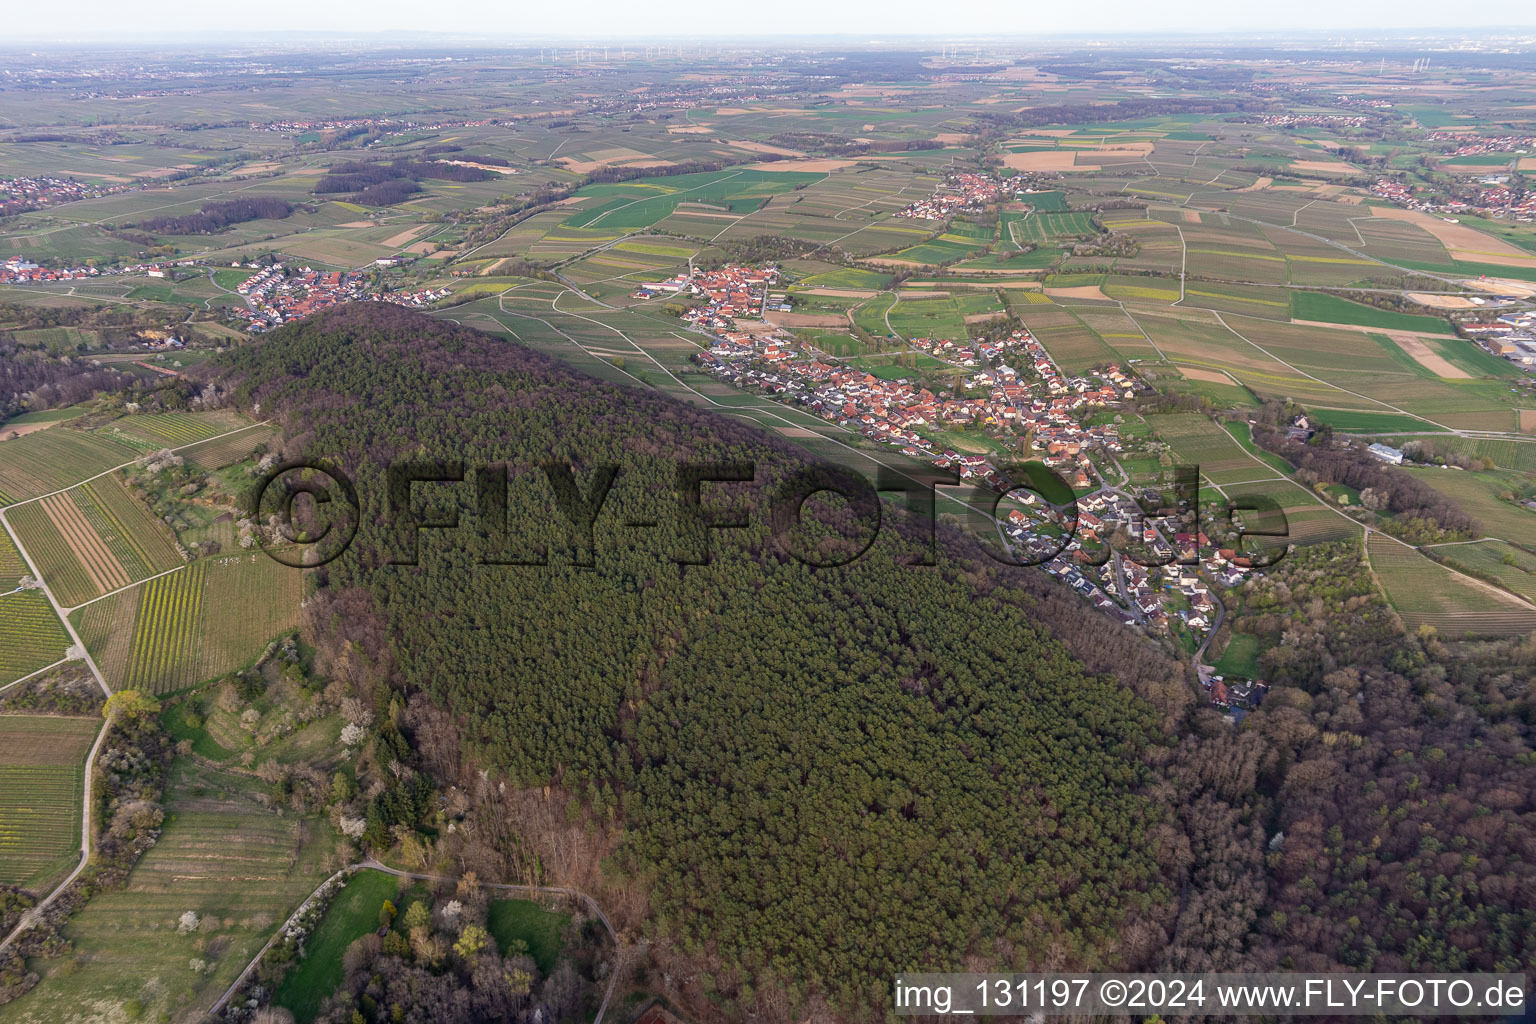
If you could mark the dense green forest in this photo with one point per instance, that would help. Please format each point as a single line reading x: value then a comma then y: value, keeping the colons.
x: 796, y: 781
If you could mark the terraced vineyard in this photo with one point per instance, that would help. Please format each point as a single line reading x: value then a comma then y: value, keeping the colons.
x: 1426, y: 593
x: 240, y: 868
x: 33, y: 637
x: 51, y: 460
x: 41, y: 785
x: 75, y: 563
x: 152, y: 432
x: 225, y: 451
x: 12, y: 566
x: 106, y: 628
x: 193, y: 625
x: 164, y: 656
x: 143, y: 544
x: 249, y: 599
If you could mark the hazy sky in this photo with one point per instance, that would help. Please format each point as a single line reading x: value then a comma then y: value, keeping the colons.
x: 872, y: 19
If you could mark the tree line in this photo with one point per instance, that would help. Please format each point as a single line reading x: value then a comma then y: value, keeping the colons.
x: 217, y: 216
x: 1349, y: 463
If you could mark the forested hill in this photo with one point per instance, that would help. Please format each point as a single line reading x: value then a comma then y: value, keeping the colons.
x: 819, y: 775
x: 795, y: 782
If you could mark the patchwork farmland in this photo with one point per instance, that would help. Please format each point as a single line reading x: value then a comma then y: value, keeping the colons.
x: 73, y: 559
x: 1264, y: 249
x: 191, y: 625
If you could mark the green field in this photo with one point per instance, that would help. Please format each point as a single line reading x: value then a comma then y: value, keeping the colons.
x: 850, y: 278
x: 46, y: 416
x: 1243, y: 434
x: 923, y: 316
x: 1047, y: 202
x: 1368, y: 422
x: 1241, y: 656
x: 540, y: 930
x: 943, y: 249
x: 1041, y: 258
x: 353, y: 913
x: 1470, y: 269
x: 1331, y: 309
x: 887, y: 371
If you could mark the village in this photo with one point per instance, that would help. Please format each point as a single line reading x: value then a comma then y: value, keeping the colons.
x: 385, y: 125
x: 1470, y: 145
x: 1492, y: 196
x: 960, y: 191
x: 21, y: 270
x: 1161, y: 573
x: 275, y: 296
x: 731, y: 291
x: 18, y: 195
